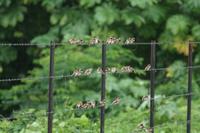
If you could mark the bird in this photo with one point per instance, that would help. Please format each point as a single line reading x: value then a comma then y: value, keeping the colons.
x: 116, y: 101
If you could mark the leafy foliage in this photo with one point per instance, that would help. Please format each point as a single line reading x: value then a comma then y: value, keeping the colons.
x: 182, y: 23
x: 40, y: 22
x: 106, y: 14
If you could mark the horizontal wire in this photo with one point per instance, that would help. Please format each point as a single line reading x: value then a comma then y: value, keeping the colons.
x: 164, y: 125
x: 54, y: 77
x: 28, y: 114
x: 87, y: 44
x: 174, y: 96
x: 147, y: 98
x: 185, y: 67
x: 108, y: 105
x: 71, y: 75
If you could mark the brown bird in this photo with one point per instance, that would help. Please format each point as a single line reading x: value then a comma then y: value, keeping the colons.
x: 145, y: 98
x: 130, y: 40
x: 113, y: 69
x: 79, y: 105
x: 116, y: 101
x: 88, y: 71
x: 72, y: 41
x: 102, y: 103
x: 147, y: 68
x: 91, y: 104
x: 149, y: 130
x: 110, y: 40
x: 94, y: 41
x: 77, y: 72
x: 141, y: 126
x: 127, y: 69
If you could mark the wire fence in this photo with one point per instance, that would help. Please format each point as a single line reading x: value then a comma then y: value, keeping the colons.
x: 103, y: 71
x: 97, y: 41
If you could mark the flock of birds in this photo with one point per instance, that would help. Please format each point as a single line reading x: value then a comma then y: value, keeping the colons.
x: 110, y: 40
x: 124, y: 69
x: 91, y: 104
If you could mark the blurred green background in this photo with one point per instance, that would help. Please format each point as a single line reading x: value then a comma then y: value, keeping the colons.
x: 172, y: 22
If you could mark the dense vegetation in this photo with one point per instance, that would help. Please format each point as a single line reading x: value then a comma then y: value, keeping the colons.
x: 171, y: 22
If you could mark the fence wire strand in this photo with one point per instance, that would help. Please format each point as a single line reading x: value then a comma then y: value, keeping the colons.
x: 71, y: 75
x: 88, y: 44
x: 96, y: 107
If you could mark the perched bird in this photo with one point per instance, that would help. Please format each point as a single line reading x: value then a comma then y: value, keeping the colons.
x: 76, y: 41
x: 116, y: 101
x: 91, y: 104
x: 149, y: 130
x: 147, y: 68
x: 72, y: 41
x: 79, y: 105
x: 102, y: 103
x: 113, y: 69
x: 141, y: 126
x: 88, y: 71
x: 145, y: 98
x: 110, y: 40
x: 127, y: 69
x: 130, y: 40
x: 99, y: 70
x: 77, y: 72
x: 95, y: 41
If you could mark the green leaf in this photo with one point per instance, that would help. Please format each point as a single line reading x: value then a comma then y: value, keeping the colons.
x: 52, y: 4
x: 142, y: 3
x: 12, y: 16
x: 60, y: 18
x: 47, y: 38
x: 154, y: 13
x: 106, y: 14
x: 130, y: 16
x: 178, y: 24
x: 8, y: 54
x: 192, y: 5
x: 89, y: 3
x: 196, y: 31
x: 5, y: 3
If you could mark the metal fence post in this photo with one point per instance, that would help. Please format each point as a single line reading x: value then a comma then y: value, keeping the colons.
x: 189, y: 96
x: 50, y: 90
x: 152, y: 84
x: 103, y: 88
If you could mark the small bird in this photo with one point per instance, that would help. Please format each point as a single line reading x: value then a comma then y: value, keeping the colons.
x: 147, y: 68
x: 110, y: 40
x: 145, y: 98
x: 77, y: 72
x: 94, y: 41
x: 72, y: 41
x: 141, y: 126
x: 88, y: 71
x: 149, y: 130
x: 79, y: 105
x: 113, y: 69
x: 127, y: 69
x: 130, y: 40
x: 91, y: 104
x: 99, y: 70
x: 118, y: 40
x: 80, y: 42
x: 116, y: 101
x: 102, y: 103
